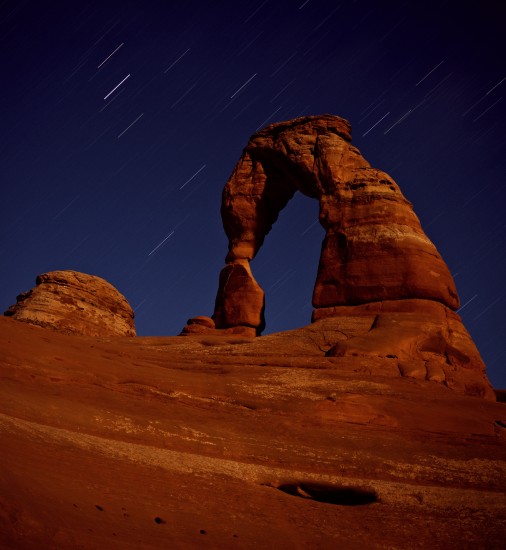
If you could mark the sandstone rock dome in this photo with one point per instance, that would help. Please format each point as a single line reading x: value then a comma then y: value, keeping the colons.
x: 76, y: 303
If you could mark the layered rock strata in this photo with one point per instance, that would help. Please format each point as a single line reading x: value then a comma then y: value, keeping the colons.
x: 374, y: 247
x: 377, y: 269
x: 424, y: 339
x: 77, y: 303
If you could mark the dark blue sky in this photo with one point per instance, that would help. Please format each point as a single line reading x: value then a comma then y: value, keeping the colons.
x: 96, y: 184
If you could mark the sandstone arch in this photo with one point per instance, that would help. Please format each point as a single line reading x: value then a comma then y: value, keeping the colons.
x: 374, y: 248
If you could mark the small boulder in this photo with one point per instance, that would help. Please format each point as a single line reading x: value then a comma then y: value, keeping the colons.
x: 199, y: 325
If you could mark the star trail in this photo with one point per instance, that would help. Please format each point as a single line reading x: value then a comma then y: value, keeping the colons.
x: 122, y: 121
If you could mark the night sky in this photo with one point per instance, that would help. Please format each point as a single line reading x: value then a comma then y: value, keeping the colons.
x: 122, y: 121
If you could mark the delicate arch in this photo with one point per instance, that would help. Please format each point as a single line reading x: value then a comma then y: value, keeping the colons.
x: 374, y: 247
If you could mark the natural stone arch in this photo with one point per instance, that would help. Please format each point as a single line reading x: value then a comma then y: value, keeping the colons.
x: 374, y: 247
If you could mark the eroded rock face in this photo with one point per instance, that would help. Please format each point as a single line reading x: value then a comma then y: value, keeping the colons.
x: 374, y: 248
x: 77, y: 303
x: 378, y: 271
x: 240, y: 299
x: 424, y: 339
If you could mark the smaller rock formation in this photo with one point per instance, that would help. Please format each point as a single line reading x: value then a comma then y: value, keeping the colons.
x: 75, y: 303
x: 206, y: 325
x: 423, y: 338
x: 199, y: 325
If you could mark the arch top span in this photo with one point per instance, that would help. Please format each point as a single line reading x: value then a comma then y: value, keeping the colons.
x: 374, y: 247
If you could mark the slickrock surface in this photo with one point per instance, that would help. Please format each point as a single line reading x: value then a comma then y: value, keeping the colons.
x: 425, y: 339
x: 221, y: 442
x: 77, y: 303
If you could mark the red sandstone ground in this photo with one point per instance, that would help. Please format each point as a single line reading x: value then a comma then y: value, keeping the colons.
x: 183, y: 442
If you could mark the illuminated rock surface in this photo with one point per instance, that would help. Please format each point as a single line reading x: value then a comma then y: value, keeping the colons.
x: 374, y: 248
x: 75, y: 303
x: 382, y: 280
x: 234, y: 442
x: 372, y: 427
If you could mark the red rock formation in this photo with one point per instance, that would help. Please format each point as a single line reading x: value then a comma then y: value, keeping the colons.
x: 240, y: 299
x: 205, y: 325
x: 374, y: 248
x: 423, y: 338
x: 199, y: 325
x: 77, y: 303
x: 377, y: 266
